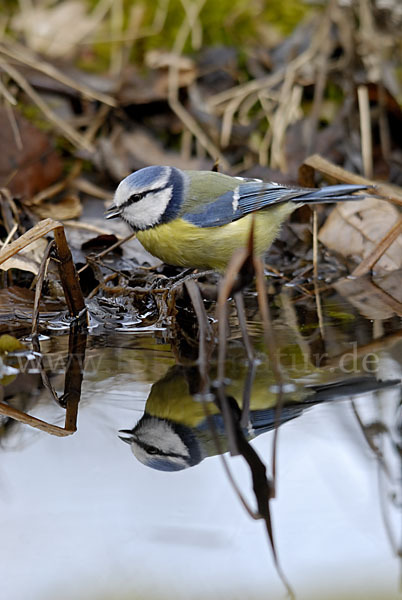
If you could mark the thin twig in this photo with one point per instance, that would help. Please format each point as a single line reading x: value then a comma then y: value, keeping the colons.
x: 365, y: 130
x: 39, y: 285
x: 108, y: 249
x: 315, y: 271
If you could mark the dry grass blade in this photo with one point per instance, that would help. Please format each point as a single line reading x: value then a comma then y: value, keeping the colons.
x: 173, y: 89
x: 21, y: 55
x: 69, y: 132
x: 9, y: 236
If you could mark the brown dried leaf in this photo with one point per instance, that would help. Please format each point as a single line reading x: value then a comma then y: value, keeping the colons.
x: 27, y: 259
x: 355, y: 228
x: 30, y: 167
x: 69, y: 207
x: 380, y: 299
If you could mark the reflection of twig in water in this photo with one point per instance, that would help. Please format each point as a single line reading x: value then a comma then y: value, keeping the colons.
x: 204, y: 329
x: 238, y: 274
x: 72, y: 388
x: 237, y: 443
x: 383, y: 473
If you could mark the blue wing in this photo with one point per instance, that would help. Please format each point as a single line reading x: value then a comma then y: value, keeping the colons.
x: 250, y: 196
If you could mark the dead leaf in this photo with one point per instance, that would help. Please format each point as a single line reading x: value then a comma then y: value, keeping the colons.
x: 379, y: 299
x: 27, y: 259
x: 28, y: 169
x: 355, y: 228
x: 69, y: 207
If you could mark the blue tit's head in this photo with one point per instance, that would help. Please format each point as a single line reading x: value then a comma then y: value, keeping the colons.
x: 149, y: 197
x: 163, y: 445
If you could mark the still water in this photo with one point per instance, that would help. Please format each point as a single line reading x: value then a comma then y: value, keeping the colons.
x: 89, y: 516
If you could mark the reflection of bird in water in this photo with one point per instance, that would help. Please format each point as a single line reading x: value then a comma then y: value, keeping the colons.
x: 175, y: 433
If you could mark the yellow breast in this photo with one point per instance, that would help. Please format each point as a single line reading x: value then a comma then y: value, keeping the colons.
x: 182, y: 244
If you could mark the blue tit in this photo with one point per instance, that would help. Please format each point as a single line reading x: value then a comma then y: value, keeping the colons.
x: 197, y: 219
x: 174, y: 433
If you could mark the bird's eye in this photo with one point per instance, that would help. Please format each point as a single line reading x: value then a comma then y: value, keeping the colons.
x: 136, y: 197
x: 152, y: 450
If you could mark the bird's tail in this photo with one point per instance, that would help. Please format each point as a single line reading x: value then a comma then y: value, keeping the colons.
x: 349, y: 387
x: 265, y: 419
x: 330, y: 193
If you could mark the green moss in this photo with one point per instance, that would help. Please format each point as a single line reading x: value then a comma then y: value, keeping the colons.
x: 227, y: 22
x: 32, y: 114
x: 284, y: 15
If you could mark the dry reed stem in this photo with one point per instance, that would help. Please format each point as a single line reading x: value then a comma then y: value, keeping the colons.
x: 22, y: 417
x: 365, y: 130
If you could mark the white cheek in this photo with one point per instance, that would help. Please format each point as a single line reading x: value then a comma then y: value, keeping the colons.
x: 162, y: 436
x: 125, y: 188
x: 147, y: 212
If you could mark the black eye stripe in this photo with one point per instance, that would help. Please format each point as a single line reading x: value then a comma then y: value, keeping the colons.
x: 137, y: 197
